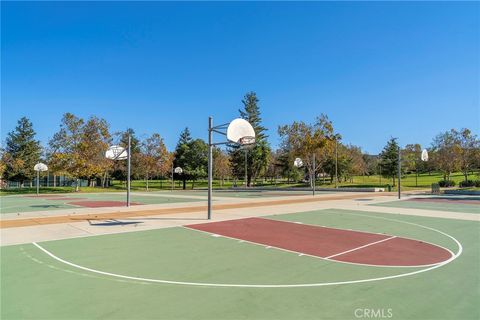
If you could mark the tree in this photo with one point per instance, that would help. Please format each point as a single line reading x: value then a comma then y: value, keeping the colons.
x: 221, y: 165
x: 192, y: 156
x: 305, y: 140
x: 197, y: 160
x: 285, y: 159
x: 467, y: 150
x: 356, y: 162
x: 372, y: 164
x: 79, y: 148
x: 182, y: 151
x: 350, y: 162
x: 389, y: 160
x: 274, y: 166
x: 3, y: 167
x: 54, y: 166
x: 95, y: 141
x: 153, y: 157
x: 411, y: 159
x: 257, y: 156
x: 445, y: 153
x: 22, y: 152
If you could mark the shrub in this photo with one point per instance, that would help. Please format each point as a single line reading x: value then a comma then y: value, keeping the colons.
x: 466, y: 184
x: 446, y: 183
x: 477, y: 183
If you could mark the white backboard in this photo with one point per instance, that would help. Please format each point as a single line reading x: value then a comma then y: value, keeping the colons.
x: 40, y: 167
x: 424, y: 155
x: 116, y: 153
x: 240, y: 128
x: 178, y: 170
x: 298, y: 163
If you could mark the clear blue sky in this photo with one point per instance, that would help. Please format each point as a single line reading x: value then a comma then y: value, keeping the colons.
x: 377, y: 69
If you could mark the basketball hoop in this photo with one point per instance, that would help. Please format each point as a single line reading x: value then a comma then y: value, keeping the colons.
x: 40, y: 167
x: 241, y: 131
x: 116, y: 153
x: 424, y: 156
x: 178, y: 170
x: 298, y: 163
x: 247, y: 142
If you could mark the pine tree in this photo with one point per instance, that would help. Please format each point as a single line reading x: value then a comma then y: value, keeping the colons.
x: 251, y: 113
x: 23, y: 152
x: 389, y: 160
x: 257, y: 157
x: 192, y: 156
x: 182, y: 154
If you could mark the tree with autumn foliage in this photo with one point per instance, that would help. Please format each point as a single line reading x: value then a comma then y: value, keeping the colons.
x: 305, y: 140
x: 468, y: 151
x: 79, y: 148
x: 154, y: 159
x: 221, y: 165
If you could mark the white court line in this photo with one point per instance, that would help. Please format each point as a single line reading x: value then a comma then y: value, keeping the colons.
x: 333, y: 260
x: 325, y: 258
x: 234, y: 285
x: 298, y: 285
x: 361, y: 247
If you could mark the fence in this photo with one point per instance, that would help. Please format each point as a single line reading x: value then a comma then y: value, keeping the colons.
x: 46, y: 181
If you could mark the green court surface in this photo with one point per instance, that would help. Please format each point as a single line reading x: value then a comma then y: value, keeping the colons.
x: 37, y: 285
x: 21, y: 204
x: 453, y: 206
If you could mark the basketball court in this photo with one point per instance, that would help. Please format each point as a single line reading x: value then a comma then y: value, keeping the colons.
x: 22, y: 204
x: 457, y: 203
x: 285, y: 257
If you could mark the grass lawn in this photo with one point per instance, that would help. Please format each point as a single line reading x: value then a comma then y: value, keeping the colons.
x: 408, y: 183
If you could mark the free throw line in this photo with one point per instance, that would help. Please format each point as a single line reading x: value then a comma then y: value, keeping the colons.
x: 361, y: 247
